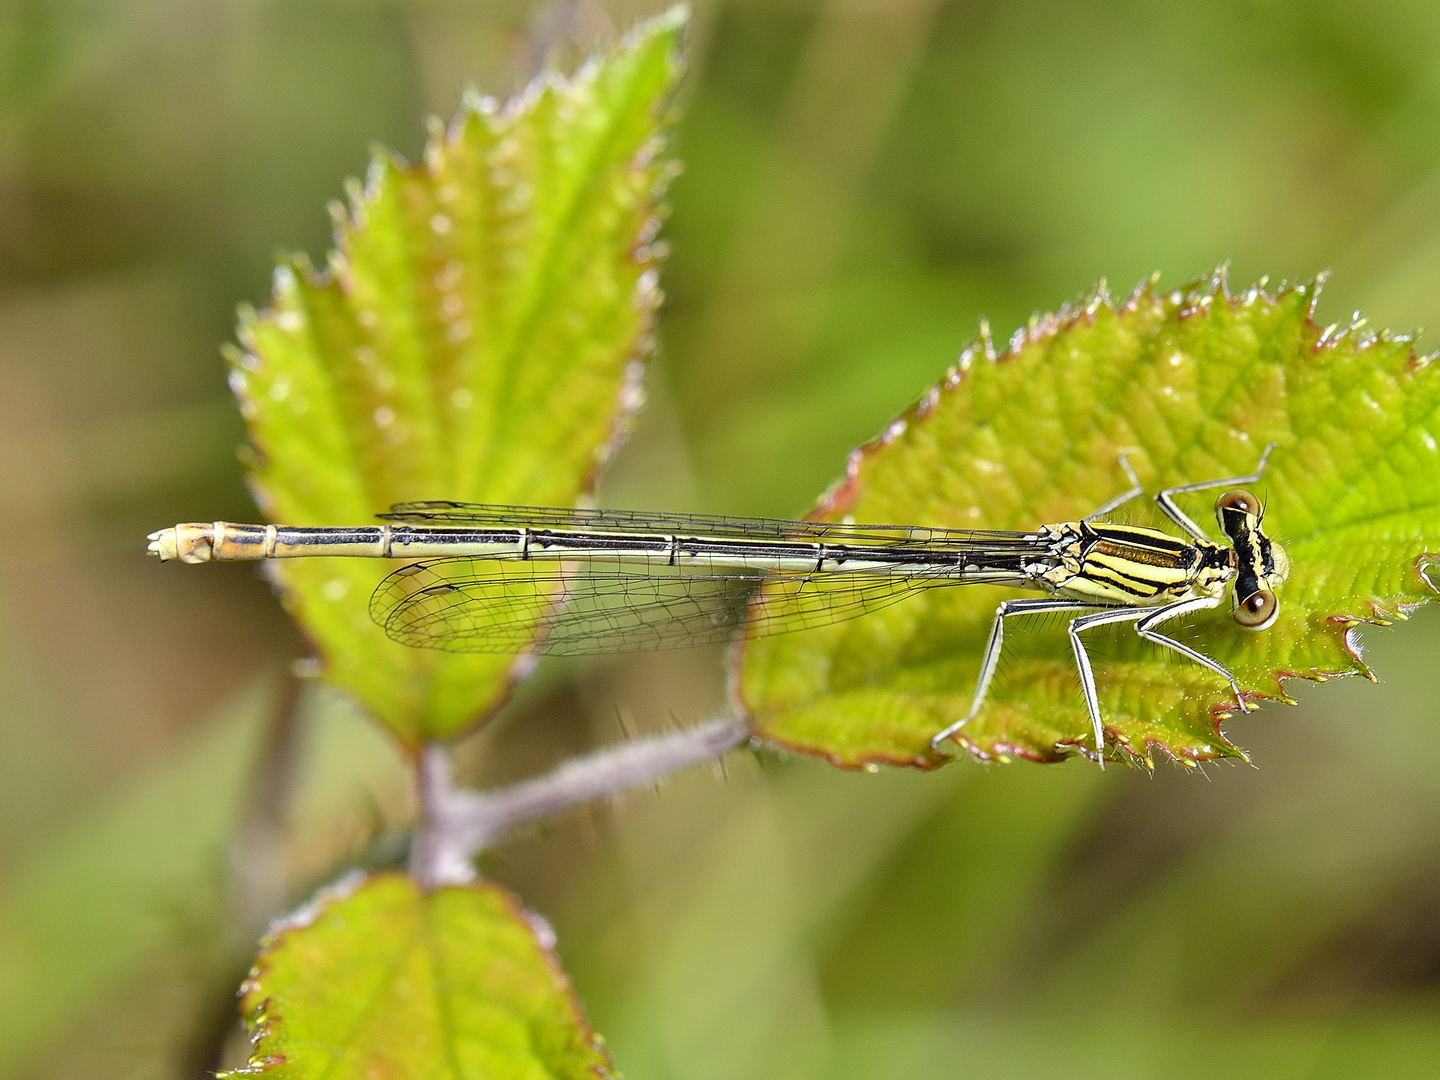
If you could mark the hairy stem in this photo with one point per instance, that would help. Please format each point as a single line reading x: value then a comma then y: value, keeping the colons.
x: 456, y: 825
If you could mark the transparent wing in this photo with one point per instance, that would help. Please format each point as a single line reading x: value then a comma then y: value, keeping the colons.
x: 549, y: 517
x: 480, y: 605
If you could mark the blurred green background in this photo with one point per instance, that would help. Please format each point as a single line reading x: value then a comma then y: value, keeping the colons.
x: 865, y: 180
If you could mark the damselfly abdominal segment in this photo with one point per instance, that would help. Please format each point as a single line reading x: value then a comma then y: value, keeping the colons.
x: 512, y: 579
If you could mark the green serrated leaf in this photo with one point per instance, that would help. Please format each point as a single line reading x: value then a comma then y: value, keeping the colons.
x: 379, y: 978
x: 1191, y: 384
x: 476, y: 337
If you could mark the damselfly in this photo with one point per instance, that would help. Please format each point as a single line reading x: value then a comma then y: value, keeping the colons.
x: 512, y: 579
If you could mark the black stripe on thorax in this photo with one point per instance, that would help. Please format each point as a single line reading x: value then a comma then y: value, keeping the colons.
x: 1130, y: 583
x: 1134, y: 536
x: 1142, y: 546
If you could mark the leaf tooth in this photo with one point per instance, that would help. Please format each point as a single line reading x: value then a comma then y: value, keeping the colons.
x: 382, y: 163
x: 1220, y: 280
x: 1145, y: 287
x: 525, y: 101
x: 986, y: 339
x: 962, y: 365
x: 1427, y: 564
x: 245, y: 331
x: 648, y: 152
x: 1195, y: 304
x: 283, y: 281
x: 927, y: 402
x: 434, y: 155
x: 649, y: 229
x: 355, y: 192
x: 474, y: 102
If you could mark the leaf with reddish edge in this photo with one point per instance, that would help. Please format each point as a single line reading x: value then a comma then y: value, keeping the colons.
x: 377, y: 977
x: 1191, y: 384
x: 477, y: 336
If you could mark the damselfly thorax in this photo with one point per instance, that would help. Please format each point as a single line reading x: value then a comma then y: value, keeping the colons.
x: 513, y: 579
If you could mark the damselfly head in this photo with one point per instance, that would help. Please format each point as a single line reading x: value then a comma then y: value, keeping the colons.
x: 1261, y: 564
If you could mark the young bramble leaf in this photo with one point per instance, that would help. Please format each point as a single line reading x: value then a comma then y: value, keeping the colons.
x: 1191, y: 384
x: 379, y: 978
x: 476, y: 337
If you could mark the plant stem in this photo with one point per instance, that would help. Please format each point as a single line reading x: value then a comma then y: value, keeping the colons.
x: 456, y: 825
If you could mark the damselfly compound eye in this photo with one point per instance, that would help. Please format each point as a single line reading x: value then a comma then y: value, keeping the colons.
x: 1258, y: 610
x: 1238, y: 499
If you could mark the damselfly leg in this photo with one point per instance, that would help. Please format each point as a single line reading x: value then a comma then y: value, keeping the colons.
x: 1134, y: 491
x: 1008, y: 609
x: 1165, y: 499
x: 1145, y: 619
x: 1146, y: 629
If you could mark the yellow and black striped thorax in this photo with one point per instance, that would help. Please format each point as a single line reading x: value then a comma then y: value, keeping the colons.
x: 1129, y: 564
